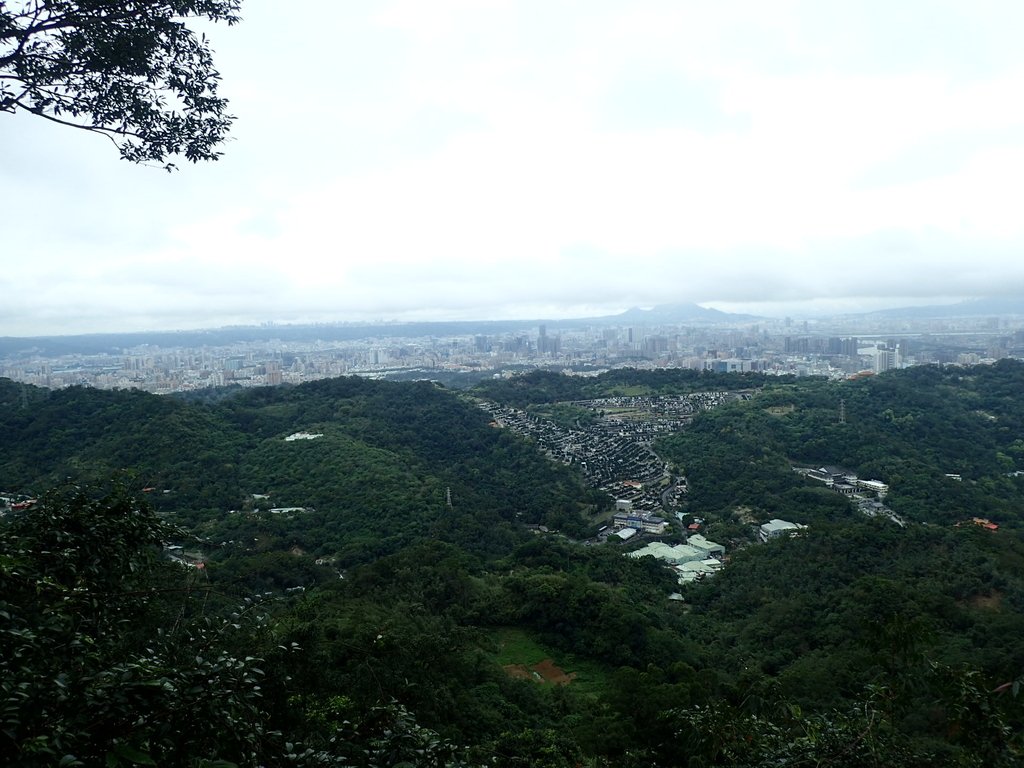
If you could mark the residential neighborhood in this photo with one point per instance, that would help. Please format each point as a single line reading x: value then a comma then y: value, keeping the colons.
x: 614, y: 451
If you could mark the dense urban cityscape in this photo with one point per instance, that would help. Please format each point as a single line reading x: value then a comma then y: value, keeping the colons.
x: 463, y: 353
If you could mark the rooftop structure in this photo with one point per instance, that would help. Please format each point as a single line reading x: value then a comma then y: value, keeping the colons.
x: 697, y: 541
x: 874, y: 486
x: 775, y: 528
x: 680, y: 553
x: 303, y: 436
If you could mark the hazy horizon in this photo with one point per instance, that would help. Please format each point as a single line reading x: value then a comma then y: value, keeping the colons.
x: 532, y: 160
x: 792, y: 311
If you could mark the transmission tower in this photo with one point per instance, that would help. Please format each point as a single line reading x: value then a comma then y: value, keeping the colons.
x: 842, y: 411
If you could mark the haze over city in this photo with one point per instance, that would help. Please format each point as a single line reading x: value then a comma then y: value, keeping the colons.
x: 490, y: 160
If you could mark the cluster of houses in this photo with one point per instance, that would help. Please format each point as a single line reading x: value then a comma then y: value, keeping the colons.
x: 614, y: 452
x: 608, y: 452
x: 868, y: 495
x: 663, y: 412
x: 643, y: 496
x: 844, y: 482
x: 700, y: 557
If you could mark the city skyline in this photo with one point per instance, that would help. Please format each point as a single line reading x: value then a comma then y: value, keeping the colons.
x: 461, y: 354
x: 919, y: 315
x: 517, y: 160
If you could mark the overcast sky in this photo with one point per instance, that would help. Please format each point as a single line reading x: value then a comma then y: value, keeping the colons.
x: 464, y: 159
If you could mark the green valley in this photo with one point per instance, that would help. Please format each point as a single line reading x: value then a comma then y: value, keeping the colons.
x: 383, y: 573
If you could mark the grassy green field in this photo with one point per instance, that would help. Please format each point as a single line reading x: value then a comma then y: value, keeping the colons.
x: 631, y: 391
x: 514, y: 646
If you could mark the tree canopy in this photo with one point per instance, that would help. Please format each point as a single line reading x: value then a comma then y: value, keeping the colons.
x: 378, y: 623
x: 130, y: 70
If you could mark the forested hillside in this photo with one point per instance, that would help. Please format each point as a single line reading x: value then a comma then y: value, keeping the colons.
x: 388, y: 460
x: 541, y: 387
x: 912, y: 429
x: 425, y: 633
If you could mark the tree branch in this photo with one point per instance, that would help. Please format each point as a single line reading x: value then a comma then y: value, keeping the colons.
x: 109, y: 133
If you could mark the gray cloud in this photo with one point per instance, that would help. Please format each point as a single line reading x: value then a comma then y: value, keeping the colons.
x: 518, y: 158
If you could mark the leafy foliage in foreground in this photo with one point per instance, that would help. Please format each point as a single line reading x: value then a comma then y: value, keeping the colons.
x: 103, y: 659
x: 114, y: 656
x: 133, y: 72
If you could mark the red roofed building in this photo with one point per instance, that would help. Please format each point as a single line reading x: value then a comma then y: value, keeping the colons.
x: 986, y: 524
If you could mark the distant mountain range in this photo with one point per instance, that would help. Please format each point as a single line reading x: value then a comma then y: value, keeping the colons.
x: 117, y: 343
x: 674, y: 313
x: 985, y: 307
x: 681, y: 313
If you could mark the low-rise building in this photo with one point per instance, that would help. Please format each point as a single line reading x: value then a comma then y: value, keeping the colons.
x: 655, y: 525
x: 876, y: 487
x: 775, y: 528
x: 705, y: 545
x: 641, y: 521
x: 821, y: 476
x: 696, y: 569
x: 626, y: 520
x: 680, y: 553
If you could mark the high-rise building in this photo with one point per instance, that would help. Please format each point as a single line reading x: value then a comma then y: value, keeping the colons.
x: 274, y: 376
x: 886, y: 359
x: 548, y: 345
